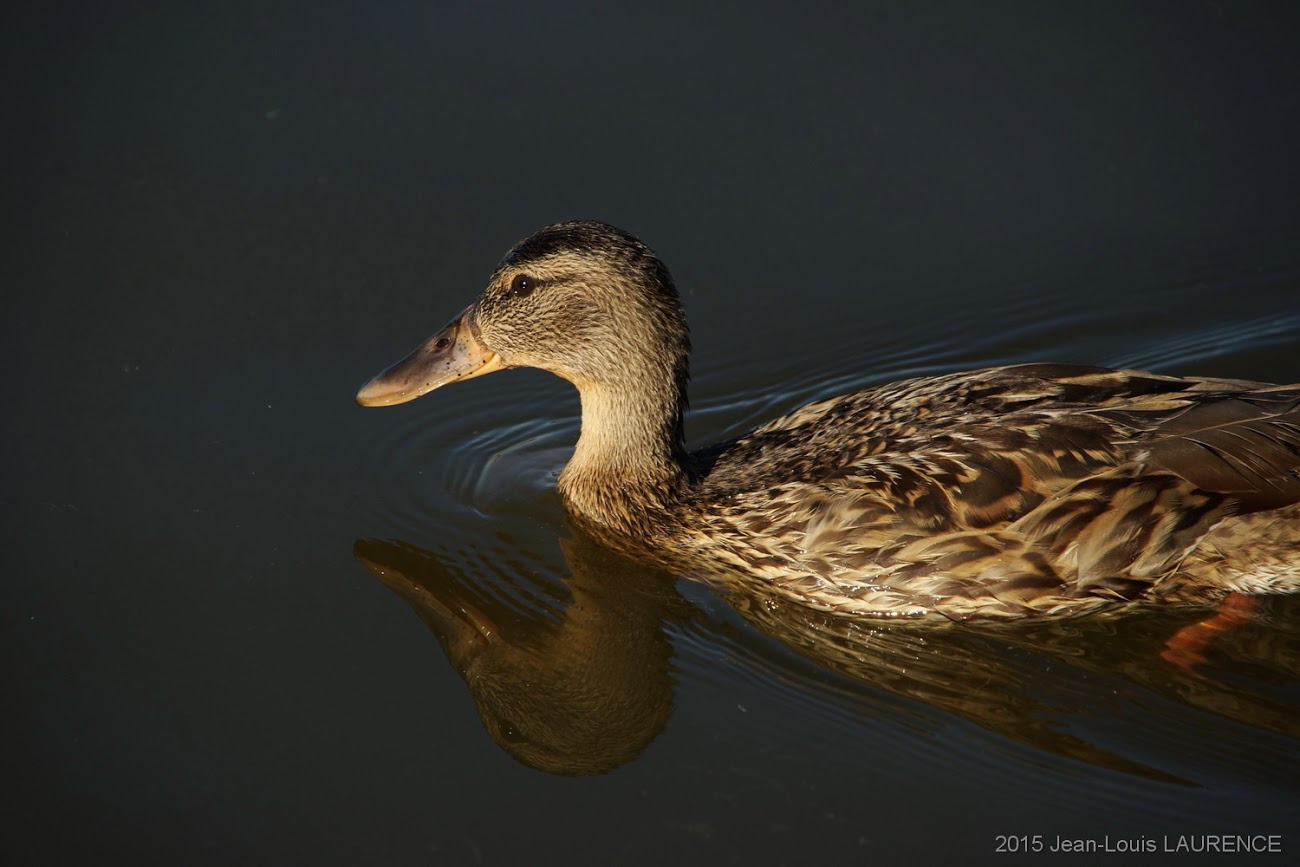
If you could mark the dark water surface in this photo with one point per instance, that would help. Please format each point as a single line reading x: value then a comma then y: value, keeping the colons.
x: 232, y: 595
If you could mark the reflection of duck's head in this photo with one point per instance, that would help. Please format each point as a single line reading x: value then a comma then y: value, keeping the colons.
x: 579, y: 696
x: 557, y: 712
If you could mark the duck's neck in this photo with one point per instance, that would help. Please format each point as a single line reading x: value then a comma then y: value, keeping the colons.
x: 628, y: 464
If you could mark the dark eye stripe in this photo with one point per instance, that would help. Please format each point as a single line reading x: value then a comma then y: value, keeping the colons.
x: 522, y: 285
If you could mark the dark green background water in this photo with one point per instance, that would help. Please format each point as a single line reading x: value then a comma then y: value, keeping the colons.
x: 223, y: 217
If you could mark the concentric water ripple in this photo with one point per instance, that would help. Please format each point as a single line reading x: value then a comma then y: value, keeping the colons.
x: 451, y: 461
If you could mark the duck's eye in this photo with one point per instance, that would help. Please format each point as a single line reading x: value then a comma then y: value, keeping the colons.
x: 522, y: 285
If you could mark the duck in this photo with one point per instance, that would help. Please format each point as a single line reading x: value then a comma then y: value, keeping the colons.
x: 1016, y: 491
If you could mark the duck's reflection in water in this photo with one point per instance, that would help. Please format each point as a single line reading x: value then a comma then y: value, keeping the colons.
x: 578, y: 693
x: 583, y: 685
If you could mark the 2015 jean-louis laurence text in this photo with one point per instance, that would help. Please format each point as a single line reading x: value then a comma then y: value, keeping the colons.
x: 1226, y: 843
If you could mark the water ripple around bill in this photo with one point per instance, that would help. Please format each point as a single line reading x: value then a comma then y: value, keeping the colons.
x: 447, y: 463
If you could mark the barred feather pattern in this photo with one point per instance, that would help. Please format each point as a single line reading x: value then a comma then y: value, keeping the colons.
x: 1008, y: 492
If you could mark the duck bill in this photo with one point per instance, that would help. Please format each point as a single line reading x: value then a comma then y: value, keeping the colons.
x: 451, y: 355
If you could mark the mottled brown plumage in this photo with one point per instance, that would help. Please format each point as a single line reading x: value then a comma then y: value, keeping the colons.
x: 1023, y: 490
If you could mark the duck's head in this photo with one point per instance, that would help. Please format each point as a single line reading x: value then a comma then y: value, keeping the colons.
x: 583, y: 300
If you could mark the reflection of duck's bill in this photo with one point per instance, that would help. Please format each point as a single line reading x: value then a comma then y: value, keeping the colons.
x: 402, y: 568
x: 453, y: 354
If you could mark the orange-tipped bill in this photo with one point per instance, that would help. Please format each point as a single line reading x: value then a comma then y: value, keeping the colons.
x: 453, y: 354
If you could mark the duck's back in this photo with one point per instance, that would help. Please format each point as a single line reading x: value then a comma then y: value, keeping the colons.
x: 1023, y: 489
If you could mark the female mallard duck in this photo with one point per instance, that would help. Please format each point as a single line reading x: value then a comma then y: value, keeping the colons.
x: 1029, y: 489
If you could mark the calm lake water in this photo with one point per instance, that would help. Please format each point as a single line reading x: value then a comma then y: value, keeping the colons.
x: 251, y: 622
